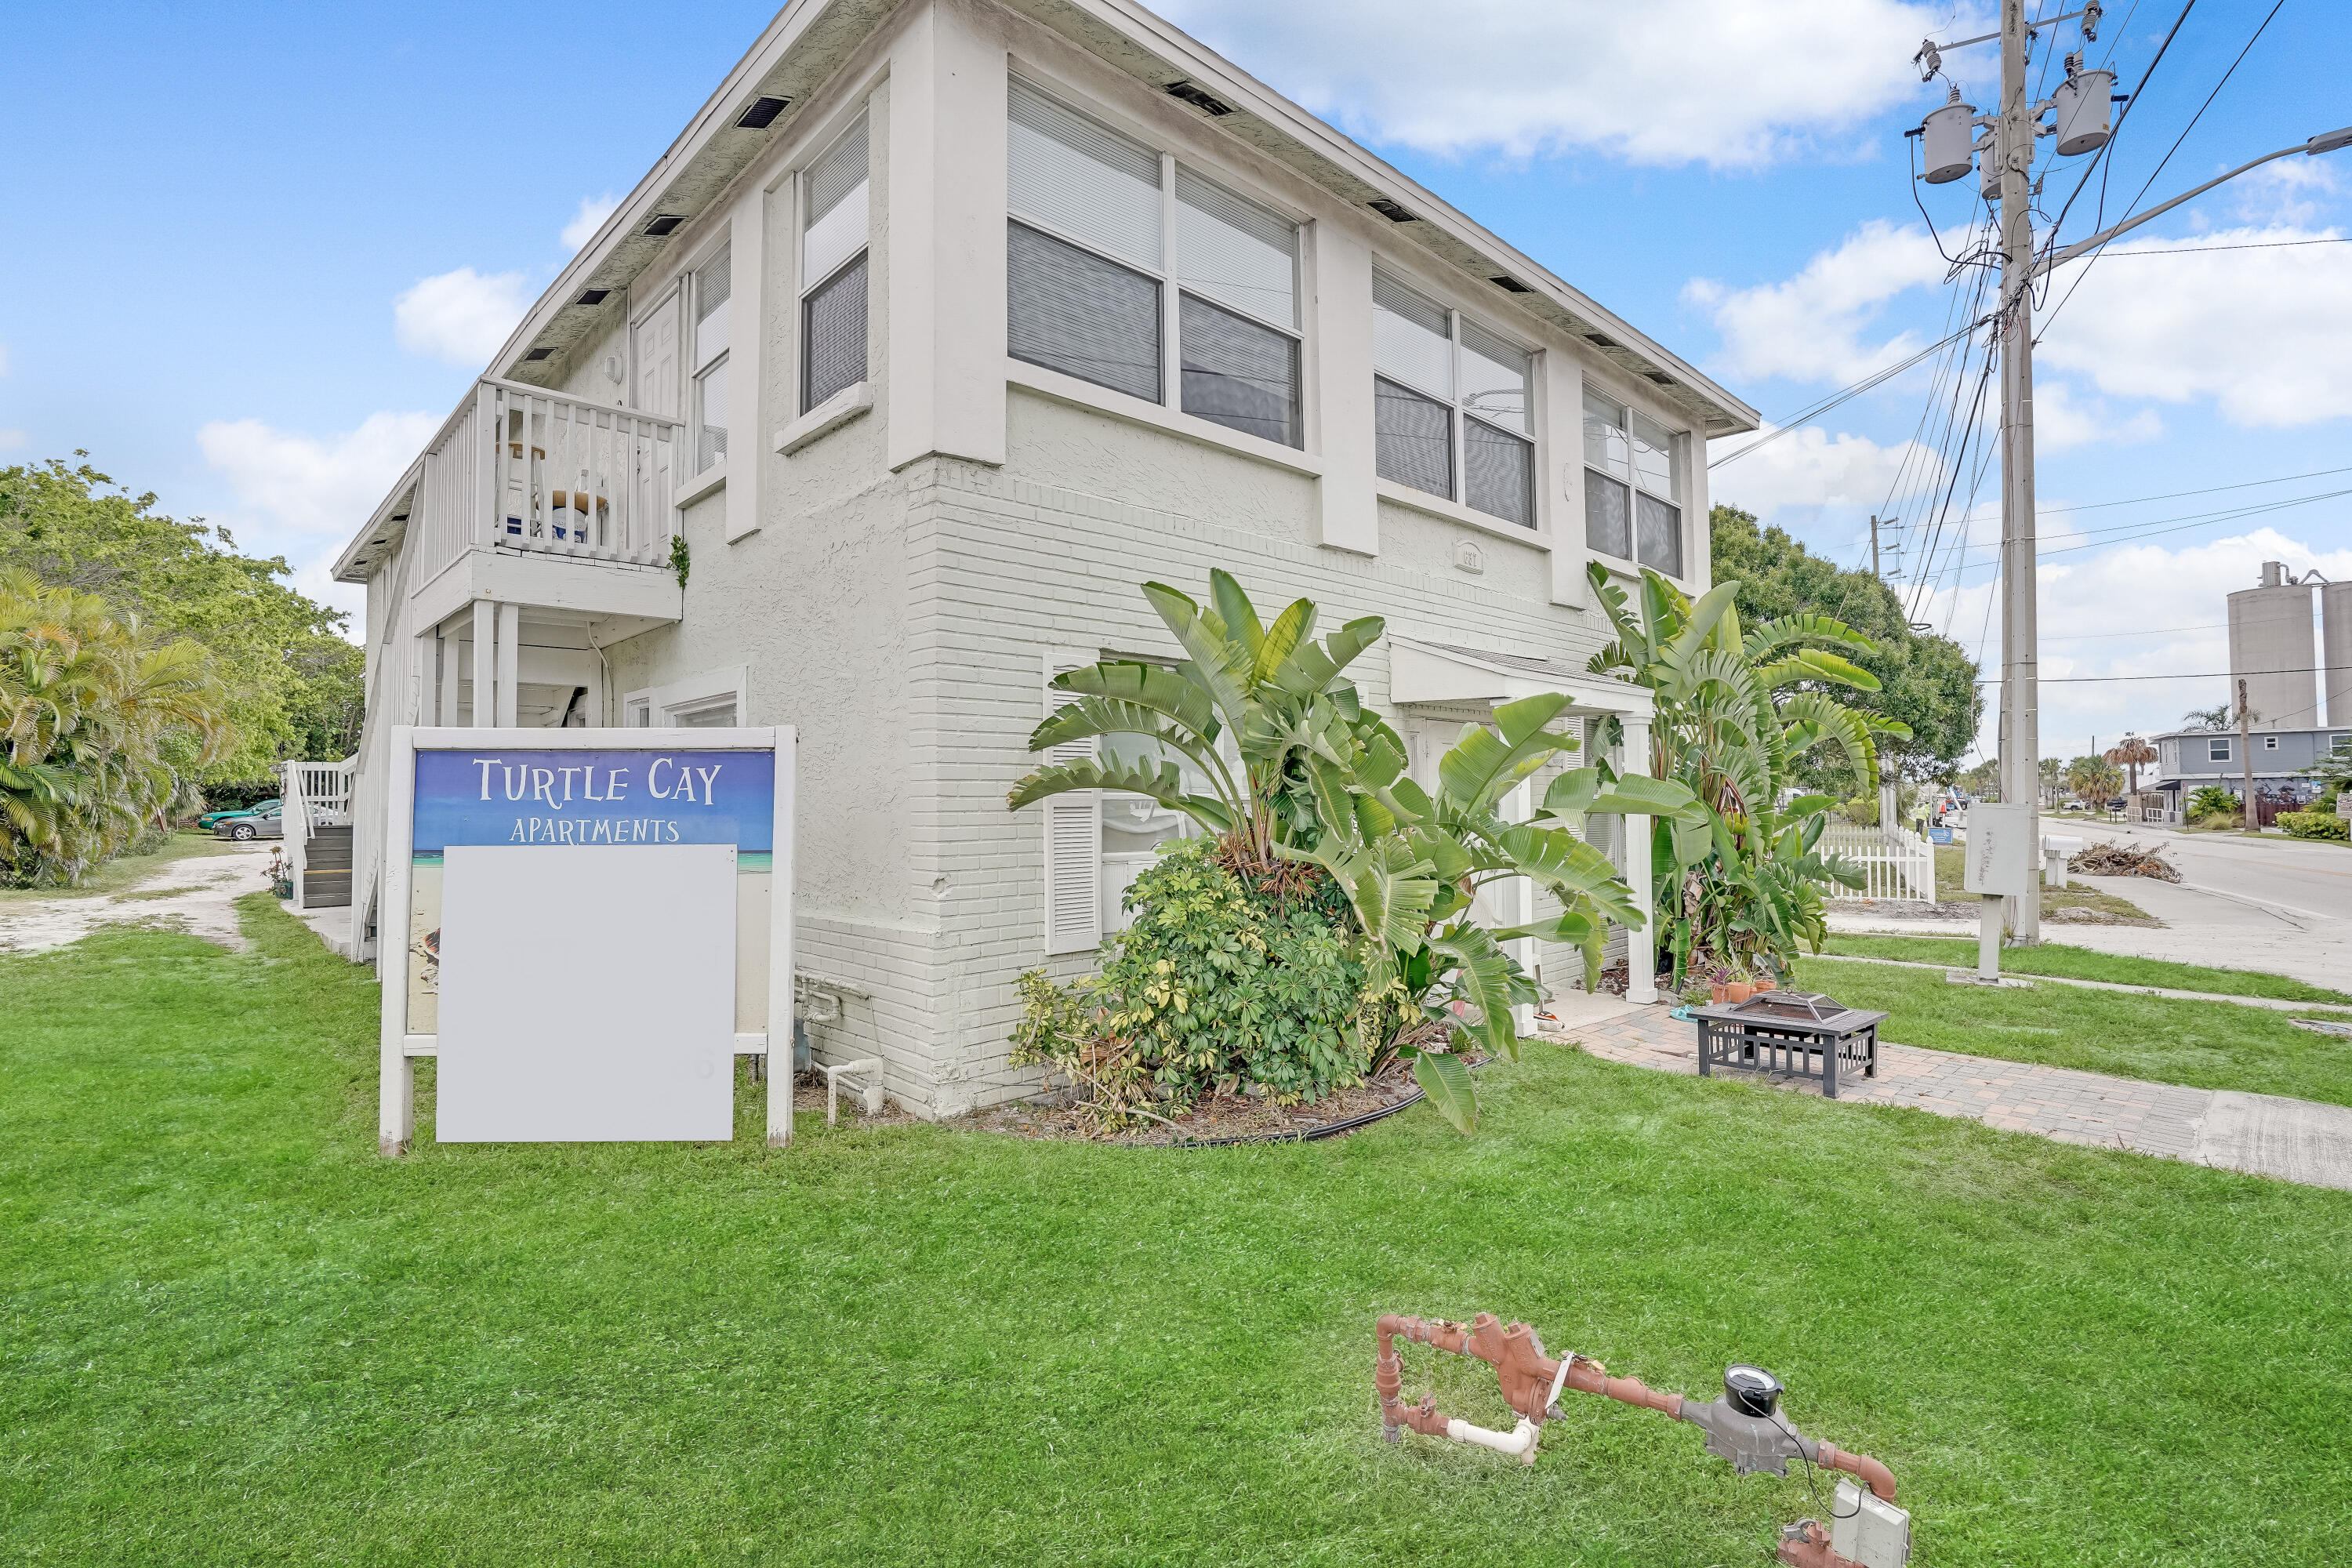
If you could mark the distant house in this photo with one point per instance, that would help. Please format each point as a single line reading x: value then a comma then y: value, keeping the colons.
x: 2187, y: 760
x: 940, y: 328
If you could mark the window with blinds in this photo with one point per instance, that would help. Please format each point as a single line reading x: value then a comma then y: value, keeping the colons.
x: 1633, y: 487
x: 712, y: 289
x: 1451, y: 397
x: 833, y: 222
x: 1102, y: 286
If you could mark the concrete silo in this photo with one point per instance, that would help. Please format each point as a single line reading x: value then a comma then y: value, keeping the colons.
x: 2336, y: 649
x: 2271, y: 649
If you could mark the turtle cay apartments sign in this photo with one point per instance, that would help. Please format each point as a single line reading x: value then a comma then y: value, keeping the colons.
x: 598, y: 921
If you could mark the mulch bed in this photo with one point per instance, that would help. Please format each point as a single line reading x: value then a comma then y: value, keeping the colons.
x: 1219, y: 1118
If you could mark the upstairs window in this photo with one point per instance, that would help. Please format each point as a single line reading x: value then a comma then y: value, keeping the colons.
x: 1633, y: 487
x: 2218, y: 749
x: 832, y: 269
x: 1112, y: 251
x: 710, y: 292
x: 1450, y: 409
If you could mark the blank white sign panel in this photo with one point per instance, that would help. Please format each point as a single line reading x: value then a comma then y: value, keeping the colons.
x: 587, y: 993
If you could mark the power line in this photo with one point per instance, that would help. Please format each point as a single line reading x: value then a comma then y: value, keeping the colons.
x: 2208, y: 250
x: 2150, y: 632
x: 2193, y: 675
x: 2210, y: 489
x: 1856, y: 390
x: 2127, y: 531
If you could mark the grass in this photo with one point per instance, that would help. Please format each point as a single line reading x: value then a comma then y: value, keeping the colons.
x: 232, y: 1335
x: 2082, y: 963
x: 1950, y: 886
x: 124, y: 870
x: 2206, y: 1045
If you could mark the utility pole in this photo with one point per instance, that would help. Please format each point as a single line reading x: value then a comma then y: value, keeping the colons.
x: 1873, y: 547
x: 1949, y: 148
x: 2020, y: 739
x: 2247, y: 818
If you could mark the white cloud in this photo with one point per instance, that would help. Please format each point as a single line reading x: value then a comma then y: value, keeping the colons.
x: 1811, y: 469
x: 2135, y: 609
x: 593, y: 211
x: 1665, y: 81
x: 2266, y: 332
x: 310, y: 486
x: 2060, y: 420
x: 1810, y: 327
x: 2287, y: 192
x: 461, y: 317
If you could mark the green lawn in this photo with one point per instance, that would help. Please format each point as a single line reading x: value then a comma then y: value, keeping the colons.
x: 233, y: 1335
x: 2082, y: 963
x: 123, y: 870
x: 2209, y: 1045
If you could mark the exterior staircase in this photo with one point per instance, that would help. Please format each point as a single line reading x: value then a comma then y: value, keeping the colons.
x: 326, y: 880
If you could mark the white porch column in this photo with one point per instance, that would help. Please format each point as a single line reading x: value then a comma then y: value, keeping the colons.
x: 509, y: 661
x: 1642, y: 946
x: 450, y: 668
x: 486, y: 645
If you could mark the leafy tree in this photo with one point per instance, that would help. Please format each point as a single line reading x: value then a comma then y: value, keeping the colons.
x: 2132, y: 755
x: 1926, y: 683
x: 1983, y: 780
x: 292, y: 683
x: 103, y: 729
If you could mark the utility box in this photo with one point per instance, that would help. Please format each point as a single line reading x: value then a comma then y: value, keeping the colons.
x: 2055, y: 852
x: 1866, y: 1531
x: 2001, y: 853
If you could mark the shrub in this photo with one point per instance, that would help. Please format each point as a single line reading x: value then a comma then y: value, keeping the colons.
x: 1223, y: 982
x: 2315, y: 824
x: 2210, y: 799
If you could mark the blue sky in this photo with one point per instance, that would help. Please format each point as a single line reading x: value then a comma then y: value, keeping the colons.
x: 215, y: 212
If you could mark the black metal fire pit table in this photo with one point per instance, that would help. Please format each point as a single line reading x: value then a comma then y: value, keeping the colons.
x: 1800, y: 1032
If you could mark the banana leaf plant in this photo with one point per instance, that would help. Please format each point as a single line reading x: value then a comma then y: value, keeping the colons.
x: 1738, y: 868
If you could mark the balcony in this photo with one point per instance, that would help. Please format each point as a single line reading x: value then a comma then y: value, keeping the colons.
x: 537, y: 499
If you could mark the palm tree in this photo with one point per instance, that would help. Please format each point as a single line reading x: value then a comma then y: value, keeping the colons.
x: 2132, y: 755
x: 1739, y: 870
x: 102, y: 733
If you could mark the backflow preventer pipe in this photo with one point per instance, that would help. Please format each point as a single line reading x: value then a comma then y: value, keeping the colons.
x: 1744, y: 1426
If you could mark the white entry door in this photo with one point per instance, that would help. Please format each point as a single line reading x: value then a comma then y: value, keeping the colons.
x: 656, y: 357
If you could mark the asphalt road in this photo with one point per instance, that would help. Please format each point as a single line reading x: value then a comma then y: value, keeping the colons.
x: 2294, y: 876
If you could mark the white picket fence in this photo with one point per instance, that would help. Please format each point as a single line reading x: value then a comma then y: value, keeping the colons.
x: 1897, y: 863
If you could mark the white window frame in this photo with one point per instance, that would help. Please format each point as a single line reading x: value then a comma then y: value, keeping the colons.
x: 808, y: 285
x: 2217, y: 750
x: 1167, y: 274
x: 661, y: 707
x: 1678, y: 458
x: 697, y: 369
x: 1459, y: 413
x: 2270, y: 743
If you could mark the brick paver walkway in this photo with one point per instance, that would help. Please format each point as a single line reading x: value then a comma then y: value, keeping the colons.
x: 2159, y: 1118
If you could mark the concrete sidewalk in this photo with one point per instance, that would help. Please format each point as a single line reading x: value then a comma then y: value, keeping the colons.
x: 2264, y: 1135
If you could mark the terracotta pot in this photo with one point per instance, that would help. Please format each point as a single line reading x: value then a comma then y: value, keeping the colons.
x: 1737, y: 992
x: 1715, y: 993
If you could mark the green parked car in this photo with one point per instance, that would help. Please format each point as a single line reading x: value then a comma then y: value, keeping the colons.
x: 212, y: 819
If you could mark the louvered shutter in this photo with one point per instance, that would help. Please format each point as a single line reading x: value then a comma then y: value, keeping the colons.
x: 1073, y: 834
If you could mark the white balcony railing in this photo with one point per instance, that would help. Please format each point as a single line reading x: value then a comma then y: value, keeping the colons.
x: 518, y: 467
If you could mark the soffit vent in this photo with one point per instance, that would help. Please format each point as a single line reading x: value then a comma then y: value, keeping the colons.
x: 1390, y: 210
x: 536, y: 354
x: 665, y: 223
x: 1661, y: 377
x: 761, y: 113
x: 1510, y: 285
x: 594, y: 296
x: 1597, y: 340
x: 1199, y: 100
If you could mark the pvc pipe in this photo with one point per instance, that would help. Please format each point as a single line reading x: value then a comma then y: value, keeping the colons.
x: 1519, y: 1441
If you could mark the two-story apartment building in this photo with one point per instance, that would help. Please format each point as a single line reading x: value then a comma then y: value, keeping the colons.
x: 2188, y: 760
x: 944, y: 325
